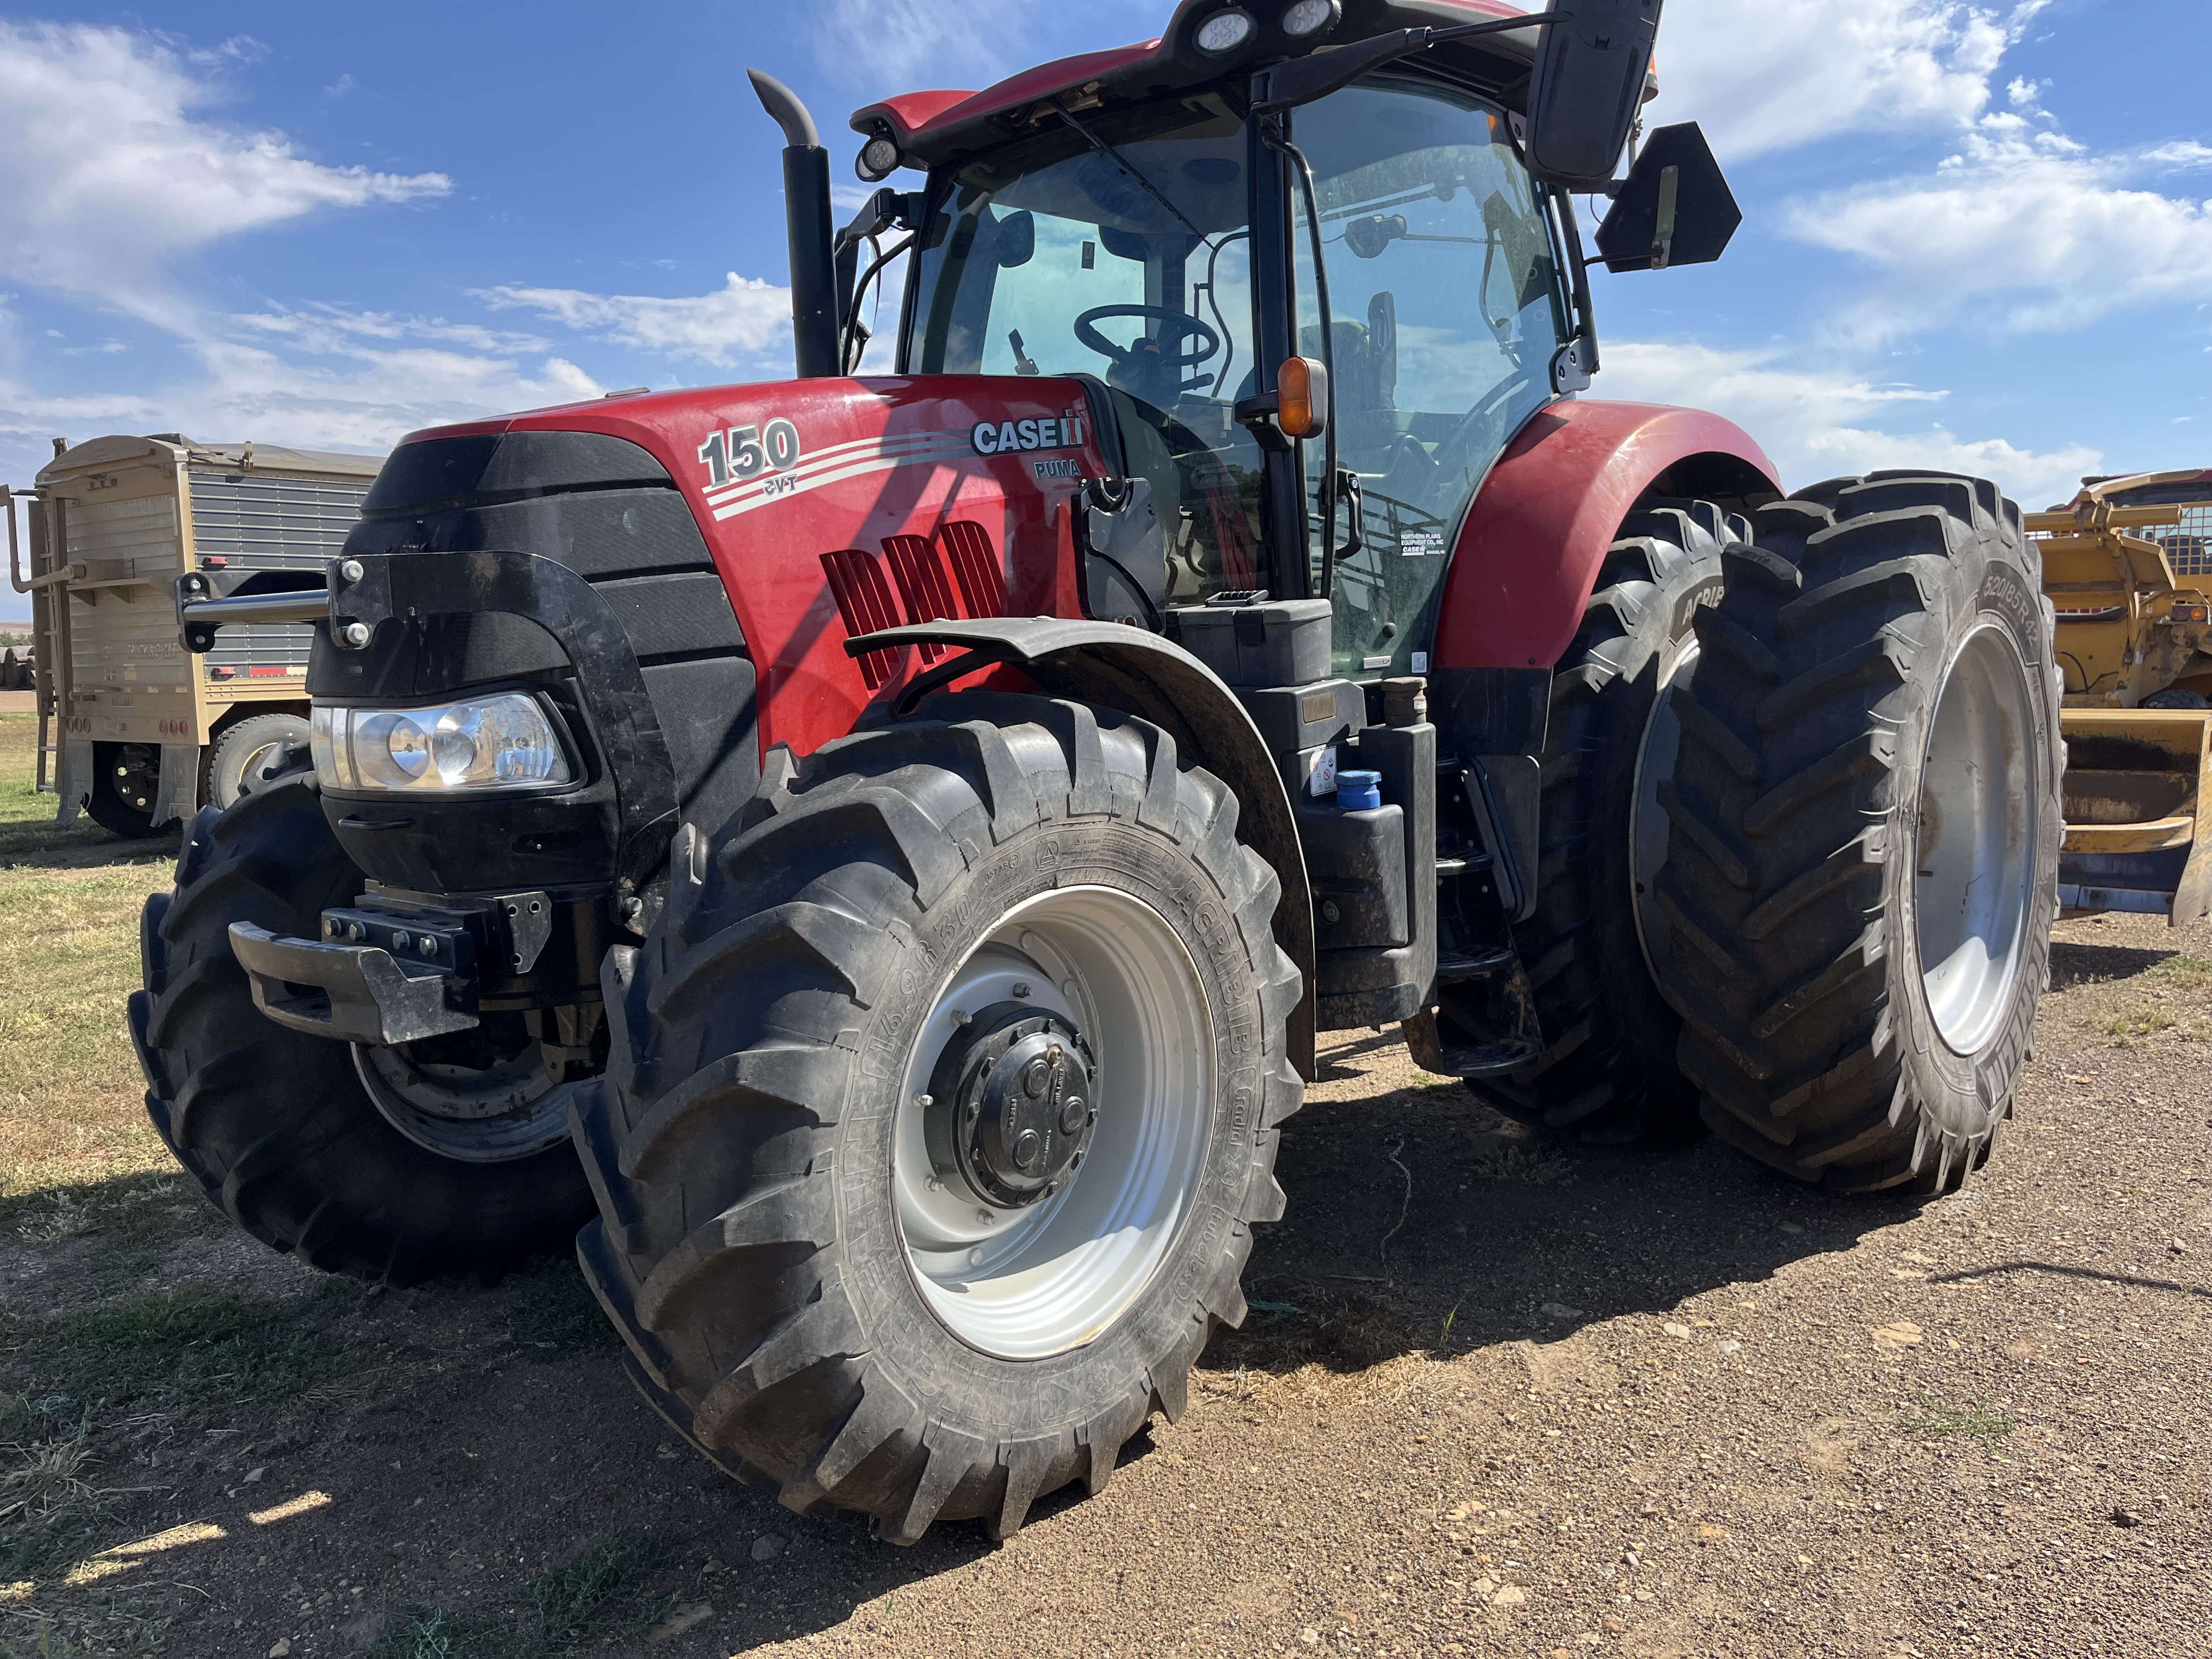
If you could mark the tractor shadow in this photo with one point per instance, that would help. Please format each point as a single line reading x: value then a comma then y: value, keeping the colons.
x: 2073, y: 964
x: 39, y: 843
x: 1420, y: 1220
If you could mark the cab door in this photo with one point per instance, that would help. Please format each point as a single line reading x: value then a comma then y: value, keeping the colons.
x: 1447, y: 310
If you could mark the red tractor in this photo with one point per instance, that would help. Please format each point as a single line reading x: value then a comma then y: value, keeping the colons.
x: 875, y: 852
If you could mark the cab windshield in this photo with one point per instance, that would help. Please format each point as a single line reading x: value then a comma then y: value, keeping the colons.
x: 1053, y: 256
x: 1123, y: 250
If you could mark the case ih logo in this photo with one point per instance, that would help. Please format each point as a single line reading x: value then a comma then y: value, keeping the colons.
x: 1017, y: 437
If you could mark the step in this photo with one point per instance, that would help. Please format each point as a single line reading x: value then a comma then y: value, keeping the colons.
x: 1488, y: 1059
x: 1457, y: 967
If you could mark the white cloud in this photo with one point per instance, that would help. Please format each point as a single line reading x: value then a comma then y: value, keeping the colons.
x: 2024, y: 226
x: 903, y: 44
x: 109, y: 171
x: 1768, y: 75
x: 334, y: 328
x: 880, y: 48
x: 329, y: 389
x: 734, y: 325
x: 1817, y: 423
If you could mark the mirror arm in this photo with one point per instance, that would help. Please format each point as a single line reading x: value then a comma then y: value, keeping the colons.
x: 1583, y: 346
x: 1301, y: 80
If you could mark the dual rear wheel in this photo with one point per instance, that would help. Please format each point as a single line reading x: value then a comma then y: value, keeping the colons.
x: 1802, y: 820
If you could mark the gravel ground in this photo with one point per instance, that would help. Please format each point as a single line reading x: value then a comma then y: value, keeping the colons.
x: 1498, y: 1395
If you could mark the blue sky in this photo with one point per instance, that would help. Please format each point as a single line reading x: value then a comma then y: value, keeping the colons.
x: 1977, y: 235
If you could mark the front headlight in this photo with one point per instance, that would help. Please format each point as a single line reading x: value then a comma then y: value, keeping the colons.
x: 507, y: 741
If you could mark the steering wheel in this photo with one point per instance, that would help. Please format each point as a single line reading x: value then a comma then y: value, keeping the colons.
x: 1144, y: 367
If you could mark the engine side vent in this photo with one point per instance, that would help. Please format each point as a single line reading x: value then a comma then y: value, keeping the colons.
x: 863, y: 600
x: 976, y: 567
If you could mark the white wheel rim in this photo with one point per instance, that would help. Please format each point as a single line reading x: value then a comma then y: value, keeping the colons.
x: 1028, y: 1283
x: 510, y: 1111
x: 1974, y: 842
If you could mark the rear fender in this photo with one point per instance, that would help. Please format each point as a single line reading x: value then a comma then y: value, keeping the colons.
x: 1116, y: 667
x: 1529, y: 554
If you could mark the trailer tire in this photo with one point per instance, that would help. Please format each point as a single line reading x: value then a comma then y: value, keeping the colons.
x: 1607, y: 1073
x: 125, y: 776
x: 785, y: 1248
x: 276, y: 1124
x: 251, y: 754
x: 1866, y: 820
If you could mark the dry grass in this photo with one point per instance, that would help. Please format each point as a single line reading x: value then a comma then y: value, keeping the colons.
x: 70, y: 1099
x: 2177, y: 1000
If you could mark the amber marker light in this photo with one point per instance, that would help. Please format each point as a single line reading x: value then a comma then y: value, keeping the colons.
x: 1302, y: 397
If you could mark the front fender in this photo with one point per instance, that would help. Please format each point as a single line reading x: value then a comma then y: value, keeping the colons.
x: 1529, y: 554
x: 1118, y: 666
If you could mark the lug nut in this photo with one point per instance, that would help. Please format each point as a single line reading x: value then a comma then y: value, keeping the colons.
x: 1021, y: 987
x: 983, y: 1216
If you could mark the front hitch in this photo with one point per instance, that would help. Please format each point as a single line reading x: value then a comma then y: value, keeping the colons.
x: 352, y: 992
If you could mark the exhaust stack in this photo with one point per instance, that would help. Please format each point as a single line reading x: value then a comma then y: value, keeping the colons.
x: 806, y: 209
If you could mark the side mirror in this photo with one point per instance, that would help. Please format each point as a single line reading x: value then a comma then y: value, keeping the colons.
x: 1675, y: 209
x: 1589, y: 82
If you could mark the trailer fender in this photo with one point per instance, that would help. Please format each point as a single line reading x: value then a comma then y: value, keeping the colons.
x: 1118, y: 666
x: 1530, y: 550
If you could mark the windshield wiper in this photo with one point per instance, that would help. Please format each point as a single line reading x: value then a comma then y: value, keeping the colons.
x: 1125, y: 164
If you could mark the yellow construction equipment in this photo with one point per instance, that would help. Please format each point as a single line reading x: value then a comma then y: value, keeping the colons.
x: 2127, y: 568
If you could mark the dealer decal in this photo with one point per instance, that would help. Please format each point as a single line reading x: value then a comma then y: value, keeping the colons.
x: 1018, y: 437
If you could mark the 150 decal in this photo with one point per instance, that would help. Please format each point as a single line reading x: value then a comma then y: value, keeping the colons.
x: 746, y: 452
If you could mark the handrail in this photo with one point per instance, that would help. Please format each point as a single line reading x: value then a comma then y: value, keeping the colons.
x: 15, y: 549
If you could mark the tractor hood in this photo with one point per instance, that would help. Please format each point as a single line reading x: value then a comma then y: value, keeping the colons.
x: 910, y: 495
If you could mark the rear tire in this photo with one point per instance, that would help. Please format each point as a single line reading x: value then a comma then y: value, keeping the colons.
x: 274, y: 1124
x: 1607, y: 1073
x: 780, y: 1241
x: 1862, y: 867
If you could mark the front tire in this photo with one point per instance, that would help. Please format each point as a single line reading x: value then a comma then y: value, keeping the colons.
x: 817, y: 1232
x: 277, y: 1126
x: 1866, y: 820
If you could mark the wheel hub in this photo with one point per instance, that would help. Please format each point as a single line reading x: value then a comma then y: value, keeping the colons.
x: 1011, y: 1105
